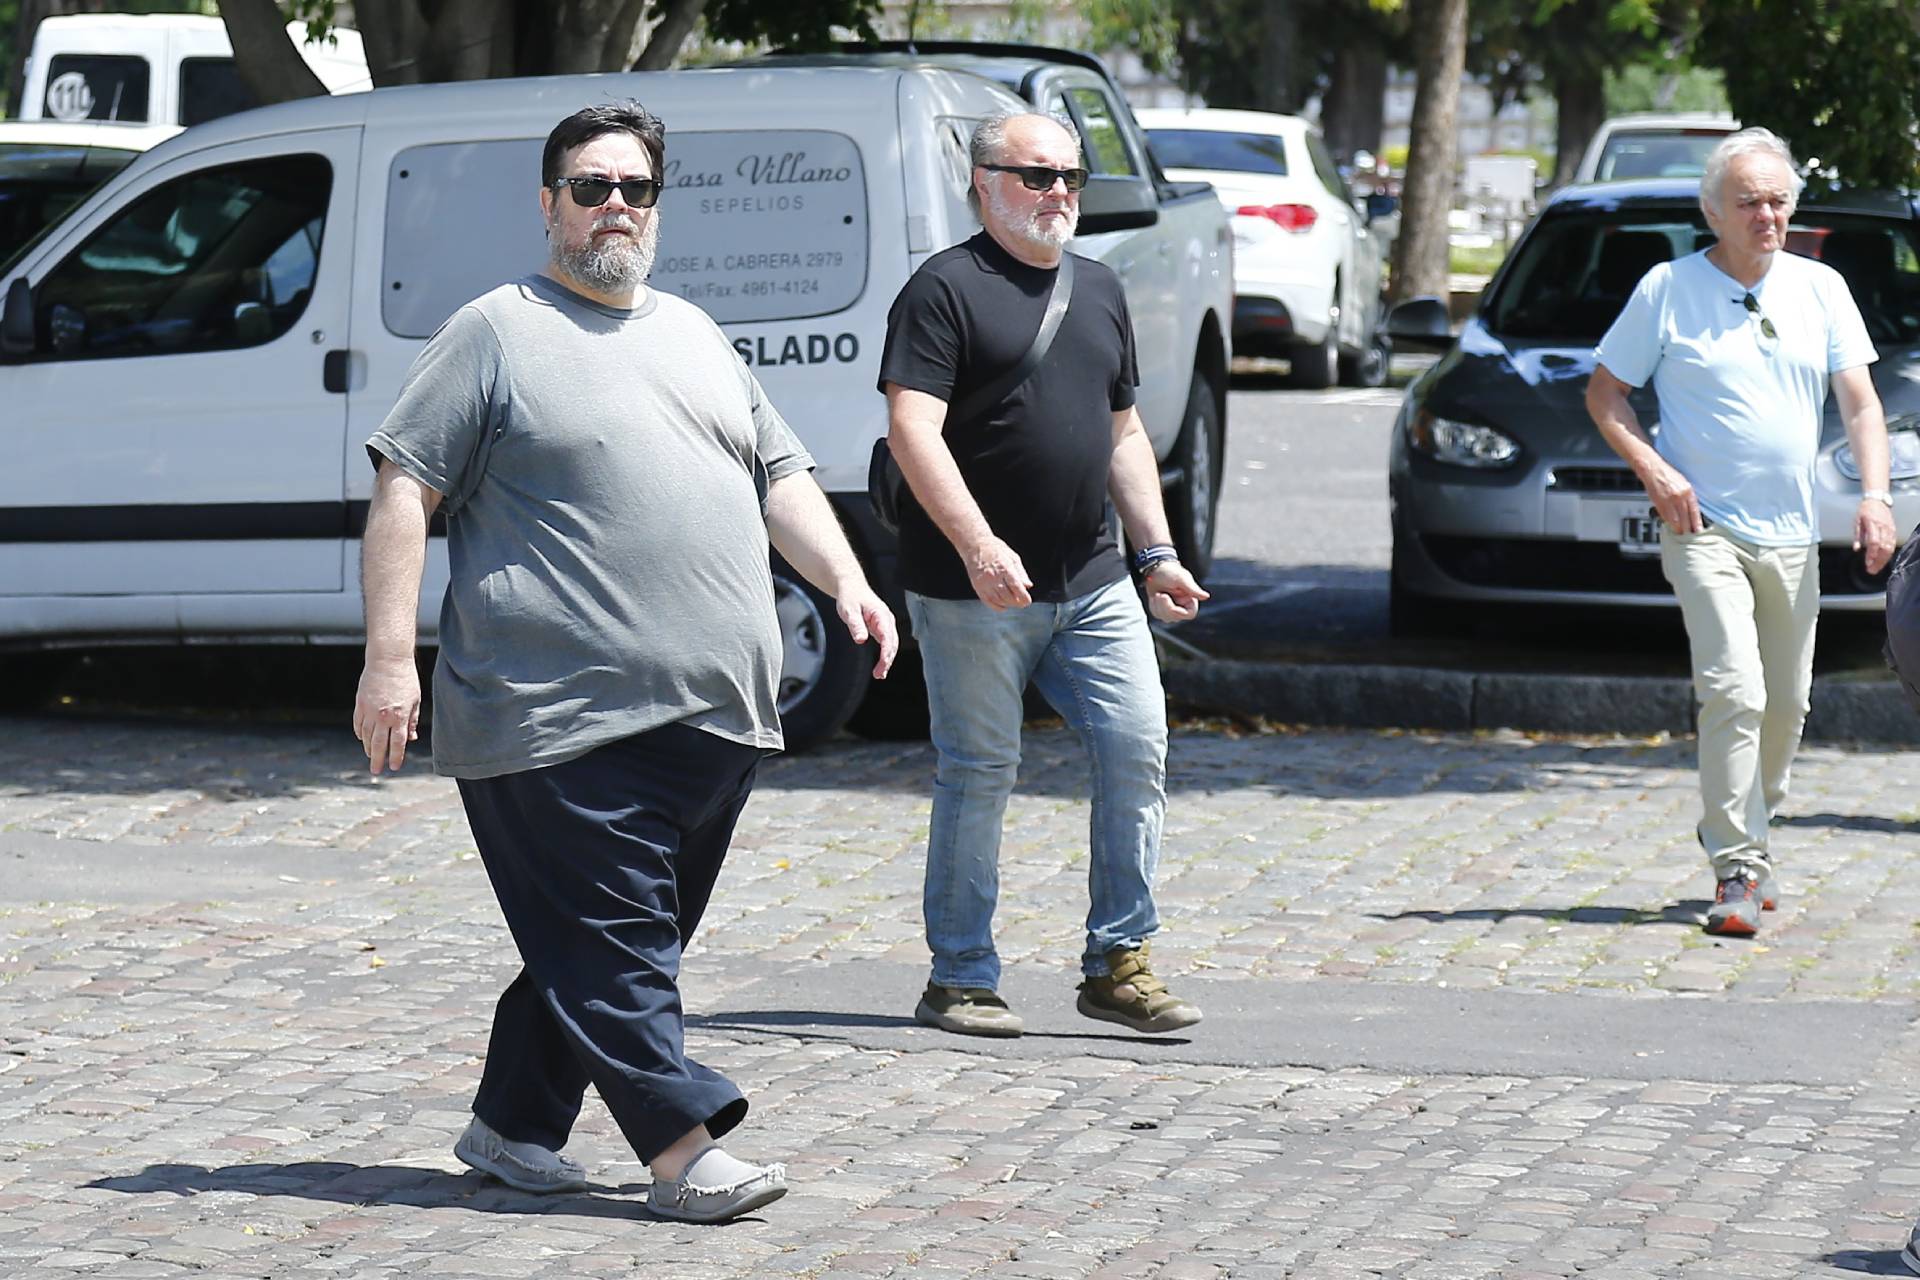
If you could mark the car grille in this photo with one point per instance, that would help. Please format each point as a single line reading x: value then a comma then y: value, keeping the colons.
x: 1594, y: 480
x: 1536, y: 564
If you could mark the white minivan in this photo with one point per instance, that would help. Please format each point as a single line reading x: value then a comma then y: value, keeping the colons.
x: 193, y: 360
x: 160, y: 68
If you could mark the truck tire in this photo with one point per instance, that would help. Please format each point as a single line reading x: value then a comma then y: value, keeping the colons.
x: 1195, y: 503
x: 823, y: 674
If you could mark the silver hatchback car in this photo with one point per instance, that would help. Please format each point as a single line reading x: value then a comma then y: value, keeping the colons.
x: 1502, y: 489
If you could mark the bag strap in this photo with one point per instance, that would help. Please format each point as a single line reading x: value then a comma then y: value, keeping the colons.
x: 986, y: 397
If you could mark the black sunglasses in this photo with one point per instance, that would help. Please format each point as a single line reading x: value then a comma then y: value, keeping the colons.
x: 1752, y: 305
x: 591, y: 193
x: 1038, y: 177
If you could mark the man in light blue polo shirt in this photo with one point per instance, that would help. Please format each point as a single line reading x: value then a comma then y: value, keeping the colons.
x: 1742, y: 342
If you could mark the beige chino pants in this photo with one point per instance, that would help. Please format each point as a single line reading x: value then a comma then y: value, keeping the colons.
x: 1750, y: 613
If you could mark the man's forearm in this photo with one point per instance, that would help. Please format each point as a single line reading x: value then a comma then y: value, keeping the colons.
x: 803, y: 528
x: 393, y: 556
x: 1133, y: 481
x: 1620, y: 428
x: 1867, y: 436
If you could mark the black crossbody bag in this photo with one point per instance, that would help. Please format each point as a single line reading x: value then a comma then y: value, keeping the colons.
x: 887, y: 489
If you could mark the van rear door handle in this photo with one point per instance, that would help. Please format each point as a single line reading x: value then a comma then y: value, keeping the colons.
x: 336, y: 370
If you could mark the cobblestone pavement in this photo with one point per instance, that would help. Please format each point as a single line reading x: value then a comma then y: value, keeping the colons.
x: 243, y: 991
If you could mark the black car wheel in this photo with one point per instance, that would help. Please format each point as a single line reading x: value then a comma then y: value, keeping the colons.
x: 1367, y: 367
x: 823, y: 674
x: 1195, y: 503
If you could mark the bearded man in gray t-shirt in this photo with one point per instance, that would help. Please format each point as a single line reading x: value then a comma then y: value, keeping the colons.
x: 611, y: 474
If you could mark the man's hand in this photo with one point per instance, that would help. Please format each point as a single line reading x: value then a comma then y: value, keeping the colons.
x: 1673, y: 497
x: 866, y: 615
x: 386, y: 711
x: 998, y: 577
x: 1873, y: 533
x: 1172, y: 594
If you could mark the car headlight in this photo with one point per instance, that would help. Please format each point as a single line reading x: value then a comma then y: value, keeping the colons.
x: 1903, y: 439
x: 1464, y: 444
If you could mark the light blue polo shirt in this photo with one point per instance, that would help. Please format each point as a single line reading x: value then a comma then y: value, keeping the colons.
x: 1740, y: 412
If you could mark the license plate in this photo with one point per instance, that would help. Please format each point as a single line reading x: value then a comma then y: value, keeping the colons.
x: 1640, y: 535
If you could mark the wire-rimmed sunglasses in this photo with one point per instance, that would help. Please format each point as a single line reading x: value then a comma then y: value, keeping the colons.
x: 1752, y: 304
x: 1040, y: 177
x: 591, y: 193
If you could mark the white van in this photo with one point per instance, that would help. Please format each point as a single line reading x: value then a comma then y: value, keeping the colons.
x: 160, y: 68
x: 192, y: 361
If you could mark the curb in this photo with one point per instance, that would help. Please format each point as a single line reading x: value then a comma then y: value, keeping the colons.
x: 1386, y: 697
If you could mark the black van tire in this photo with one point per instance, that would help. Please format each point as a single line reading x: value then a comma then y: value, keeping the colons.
x: 823, y: 674
x: 1194, y: 508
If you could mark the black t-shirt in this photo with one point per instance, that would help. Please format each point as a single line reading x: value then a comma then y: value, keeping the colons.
x: 1037, y: 461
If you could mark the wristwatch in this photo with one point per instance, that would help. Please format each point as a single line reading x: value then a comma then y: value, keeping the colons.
x: 1877, y: 495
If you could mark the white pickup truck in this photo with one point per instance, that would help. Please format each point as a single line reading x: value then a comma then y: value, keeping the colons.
x: 194, y: 357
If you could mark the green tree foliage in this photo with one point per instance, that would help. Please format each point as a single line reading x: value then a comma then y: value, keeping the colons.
x: 1665, y: 86
x: 794, y: 24
x: 1838, y: 79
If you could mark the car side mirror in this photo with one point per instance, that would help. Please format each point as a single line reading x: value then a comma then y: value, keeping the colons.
x: 1420, y: 324
x: 1381, y: 205
x: 1117, y: 202
x: 16, y: 321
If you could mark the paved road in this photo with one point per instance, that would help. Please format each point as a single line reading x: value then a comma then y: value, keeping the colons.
x: 1461, y: 1024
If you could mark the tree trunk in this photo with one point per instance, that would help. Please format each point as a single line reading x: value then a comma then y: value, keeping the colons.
x: 1353, y: 113
x: 669, y: 34
x: 1581, y: 94
x: 268, y: 61
x: 1420, y: 254
x: 593, y: 35
x: 1276, y: 83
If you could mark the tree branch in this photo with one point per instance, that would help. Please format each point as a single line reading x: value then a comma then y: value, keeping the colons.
x: 664, y: 41
x: 265, y: 55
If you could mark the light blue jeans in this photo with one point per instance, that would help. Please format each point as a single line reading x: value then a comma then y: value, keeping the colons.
x: 1093, y: 659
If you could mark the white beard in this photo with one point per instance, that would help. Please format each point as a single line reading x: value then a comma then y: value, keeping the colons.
x: 1046, y: 234
x: 613, y: 265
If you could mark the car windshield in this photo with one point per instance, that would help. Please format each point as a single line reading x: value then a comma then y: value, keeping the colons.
x: 1213, y: 149
x: 1571, y: 276
x: 40, y: 185
x: 1672, y: 153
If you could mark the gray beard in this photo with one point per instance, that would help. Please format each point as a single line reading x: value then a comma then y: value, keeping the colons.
x: 610, y: 266
x: 1030, y: 228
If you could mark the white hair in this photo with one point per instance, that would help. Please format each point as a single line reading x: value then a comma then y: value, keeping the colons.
x: 990, y: 142
x: 1747, y: 142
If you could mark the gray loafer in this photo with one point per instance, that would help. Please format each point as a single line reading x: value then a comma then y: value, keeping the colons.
x: 685, y: 1200
x: 521, y: 1165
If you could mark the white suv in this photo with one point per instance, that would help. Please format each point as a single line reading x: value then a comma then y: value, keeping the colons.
x: 1306, y: 268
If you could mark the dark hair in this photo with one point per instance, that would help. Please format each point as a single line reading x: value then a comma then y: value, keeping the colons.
x: 588, y: 123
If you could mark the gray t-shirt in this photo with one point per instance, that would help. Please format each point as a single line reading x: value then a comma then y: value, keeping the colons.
x: 604, y: 475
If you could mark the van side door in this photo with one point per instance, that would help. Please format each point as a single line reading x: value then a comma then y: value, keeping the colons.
x: 176, y: 429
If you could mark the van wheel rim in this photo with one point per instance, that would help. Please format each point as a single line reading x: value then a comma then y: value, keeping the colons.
x: 803, y: 643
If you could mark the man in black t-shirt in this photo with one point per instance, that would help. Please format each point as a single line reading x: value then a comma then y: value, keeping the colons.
x: 1013, y: 574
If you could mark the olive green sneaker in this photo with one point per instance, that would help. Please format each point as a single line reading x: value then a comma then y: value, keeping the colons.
x: 967, y: 1011
x: 1132, y: 996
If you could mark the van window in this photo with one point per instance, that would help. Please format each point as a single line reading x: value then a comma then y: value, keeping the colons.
x: 211, y: 88
x: 212, y: 261
x: 763, y: 224
x: 96, y: 86
x: 1106, y: 145
x: 40, y: 184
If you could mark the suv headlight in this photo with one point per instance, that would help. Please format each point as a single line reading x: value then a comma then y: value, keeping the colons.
x: 1464, y: 444
x: 1903, y: 440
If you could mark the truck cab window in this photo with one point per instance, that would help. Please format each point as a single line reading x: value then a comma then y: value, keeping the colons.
x: 1106, y: 145
x: 216, y: 260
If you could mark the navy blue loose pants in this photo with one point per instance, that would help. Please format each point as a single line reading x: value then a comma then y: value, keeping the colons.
x: 603, y: 866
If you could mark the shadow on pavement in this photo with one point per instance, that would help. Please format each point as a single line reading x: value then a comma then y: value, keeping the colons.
x: 342, y: 1183
x: 805, y: 1021
x: 1848, y: 822
x: 1872, y: 1262
x: 1688, y: 912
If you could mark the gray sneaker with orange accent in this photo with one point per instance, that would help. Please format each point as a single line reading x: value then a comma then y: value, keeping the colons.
x: 1736, y: 906
x: 1129, y: 994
